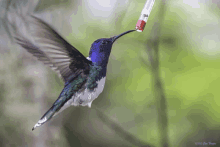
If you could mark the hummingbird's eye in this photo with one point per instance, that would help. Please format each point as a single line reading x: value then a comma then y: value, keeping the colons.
x: 105, y: 42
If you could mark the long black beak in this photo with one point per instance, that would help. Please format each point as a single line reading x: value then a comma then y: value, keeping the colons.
x: 116, y: 37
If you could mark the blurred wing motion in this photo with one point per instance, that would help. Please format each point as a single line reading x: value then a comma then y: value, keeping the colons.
x: 50, y: 48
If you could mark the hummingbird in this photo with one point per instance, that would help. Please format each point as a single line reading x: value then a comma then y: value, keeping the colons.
x: 84, y: 78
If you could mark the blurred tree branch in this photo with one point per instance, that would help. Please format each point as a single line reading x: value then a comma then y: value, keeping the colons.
x: 120, y: 131
x: 152, y: 49
x: 4, y: 12
x: 111, y: 124
x: 44, y: 5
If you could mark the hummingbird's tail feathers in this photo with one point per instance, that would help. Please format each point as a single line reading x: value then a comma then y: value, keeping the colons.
x: 39, y: 123
x: 59, y: 105
x: 48, y: 115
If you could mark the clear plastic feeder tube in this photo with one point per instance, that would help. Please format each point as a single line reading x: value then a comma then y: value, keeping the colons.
x: 144, y: 15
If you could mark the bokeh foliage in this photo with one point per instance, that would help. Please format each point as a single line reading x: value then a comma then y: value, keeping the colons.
x: 189, y: 69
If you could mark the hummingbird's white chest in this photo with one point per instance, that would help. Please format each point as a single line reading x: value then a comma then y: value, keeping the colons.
x: 86, y: 97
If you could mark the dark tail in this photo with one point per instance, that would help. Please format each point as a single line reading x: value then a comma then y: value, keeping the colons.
x: 57, y: 107
x: 46, y: 117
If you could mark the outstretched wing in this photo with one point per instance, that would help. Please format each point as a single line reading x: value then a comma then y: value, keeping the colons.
x: 50, y: 48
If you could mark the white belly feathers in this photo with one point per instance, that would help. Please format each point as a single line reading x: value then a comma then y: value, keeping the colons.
x: 85, y: 97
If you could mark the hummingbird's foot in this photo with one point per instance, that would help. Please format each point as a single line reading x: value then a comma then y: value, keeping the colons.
x: 39, y: 123
x: 89, y: 104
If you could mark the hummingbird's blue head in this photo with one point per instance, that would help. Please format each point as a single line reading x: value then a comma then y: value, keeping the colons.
x: 101, y: 49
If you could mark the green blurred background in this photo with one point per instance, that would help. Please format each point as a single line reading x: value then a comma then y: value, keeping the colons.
x: 125, y: 114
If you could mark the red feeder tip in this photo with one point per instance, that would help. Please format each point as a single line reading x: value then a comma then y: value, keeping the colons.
x: 140, y: 25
